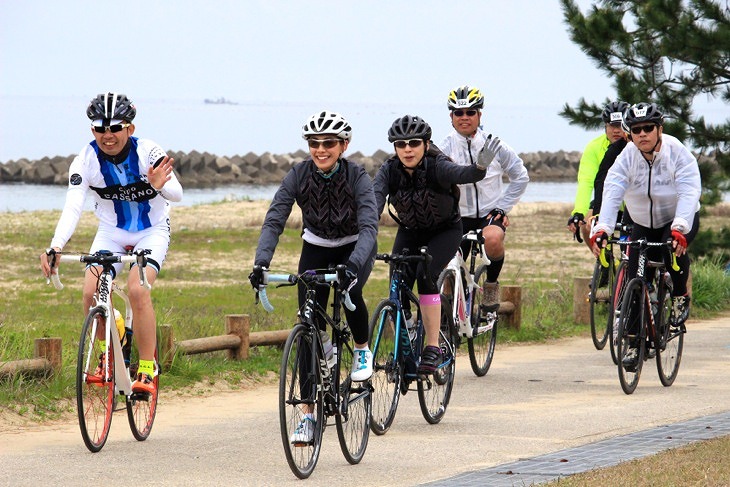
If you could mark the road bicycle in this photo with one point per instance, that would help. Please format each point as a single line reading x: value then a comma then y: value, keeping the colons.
x: 464, y: 285
x: 646, y: 321
x: 107, y: 359
x: 309, y: 384
x: 397, y: 349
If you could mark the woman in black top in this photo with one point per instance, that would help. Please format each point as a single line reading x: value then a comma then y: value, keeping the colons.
x: 419, y: 182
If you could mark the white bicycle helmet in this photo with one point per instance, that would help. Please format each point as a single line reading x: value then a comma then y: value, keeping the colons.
x: 326, y: 122
x: 108, y: 106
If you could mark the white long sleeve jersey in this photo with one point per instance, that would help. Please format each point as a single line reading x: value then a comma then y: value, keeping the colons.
x: 478, y: 199
x: 123, y: 197
x: 666, y: 190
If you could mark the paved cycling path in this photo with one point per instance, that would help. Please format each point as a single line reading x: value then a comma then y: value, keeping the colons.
x: 561, y: 398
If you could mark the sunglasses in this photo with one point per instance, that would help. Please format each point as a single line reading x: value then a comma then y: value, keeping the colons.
x: 117, y: 127
x: 327, y: 143
x: 401, y: 144
x: 460, y: 113
x: 646, y: 128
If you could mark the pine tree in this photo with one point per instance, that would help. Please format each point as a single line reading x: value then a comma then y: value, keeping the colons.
x: 669, y: 52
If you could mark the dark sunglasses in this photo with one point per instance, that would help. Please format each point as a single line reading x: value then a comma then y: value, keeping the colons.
x: 646, y: 128
x: 460, y: 113
x: 401, y: 144
x: 327, y: 143
x: 117, y: 127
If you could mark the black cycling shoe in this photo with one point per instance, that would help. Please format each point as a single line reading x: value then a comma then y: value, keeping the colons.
x: 430, y: 360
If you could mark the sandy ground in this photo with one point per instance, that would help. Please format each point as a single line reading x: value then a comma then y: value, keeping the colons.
x: 537, y: 398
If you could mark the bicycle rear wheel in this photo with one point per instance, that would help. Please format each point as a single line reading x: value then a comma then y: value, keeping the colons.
x: 630, y: 345
x: 484, y: 324
x: 300, y: 392
x: 142, y: 407
x: 434, y: 392
x: 387, y: 369
x: 600, y: 302
x: 617, y: 297
x: 353, y: 414
x: 94, y: 388
x: 671, y: 343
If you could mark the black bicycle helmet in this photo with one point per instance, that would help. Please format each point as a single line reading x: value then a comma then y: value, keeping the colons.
x: 111, y: 106
x: 464, y: 97
x: 327, y: 123
x: 641, y: 113
x: 409, y: 127
x: 614, y: 112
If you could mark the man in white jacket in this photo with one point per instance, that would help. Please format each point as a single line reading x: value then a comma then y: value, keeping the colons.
x: 659, y: 180
x: 484, y: 205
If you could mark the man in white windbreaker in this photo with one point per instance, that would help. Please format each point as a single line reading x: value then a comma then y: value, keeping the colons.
x: 659, y: 180
x: 484, y: 205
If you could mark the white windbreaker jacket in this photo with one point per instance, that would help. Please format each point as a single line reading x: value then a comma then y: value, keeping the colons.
x: 665, y: 191
x: 489, y: 192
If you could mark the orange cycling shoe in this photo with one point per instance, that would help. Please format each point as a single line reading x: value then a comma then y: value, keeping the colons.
x: 98, y: 377
x: 143, y: 383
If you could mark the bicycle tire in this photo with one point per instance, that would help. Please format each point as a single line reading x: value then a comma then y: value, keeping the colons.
x: 387, y: 369
x: 631, y: 334
x: 617, y: 296
x: 600, y: 302
x: 353, y: 414
x: 94, y: 394
x: 302, y: 457
x: 434, y: 391
x: 142, y: 408
x: 482, y: 345
x: 671, y: 343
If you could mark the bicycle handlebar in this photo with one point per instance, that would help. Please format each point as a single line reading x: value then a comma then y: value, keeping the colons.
x: 642, y: 242
x: 139, y: 257
x: 292, y: 279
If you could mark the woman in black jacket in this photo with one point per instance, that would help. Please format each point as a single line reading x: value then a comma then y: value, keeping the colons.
x: 419, y: 182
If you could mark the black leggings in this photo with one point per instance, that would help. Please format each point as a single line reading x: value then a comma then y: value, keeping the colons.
x: 679, y: 278
x: 442, y: 245
x: 316, y: 257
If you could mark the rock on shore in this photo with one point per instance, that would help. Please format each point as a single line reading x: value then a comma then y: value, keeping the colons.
x: 197, y: 169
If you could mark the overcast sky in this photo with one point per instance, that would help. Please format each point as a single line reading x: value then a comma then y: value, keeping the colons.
x: 405, y: 54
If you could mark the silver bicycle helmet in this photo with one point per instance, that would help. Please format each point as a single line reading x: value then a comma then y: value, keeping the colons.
x: 326, y: 122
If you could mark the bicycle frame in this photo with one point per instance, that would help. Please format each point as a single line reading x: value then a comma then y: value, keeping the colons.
x: 461, y: 305
x: 103, y: 298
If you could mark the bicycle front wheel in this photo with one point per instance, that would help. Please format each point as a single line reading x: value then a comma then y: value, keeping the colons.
x: 600, y: 302
x: 671, y: 343
x: 484, y: 325
x: 300, y: 394
x: 353, y: 414
x: 387, y: 369
x: 630, y: 344
x: 94, y: 382
x: 434, y: 392
x: 142, y: 407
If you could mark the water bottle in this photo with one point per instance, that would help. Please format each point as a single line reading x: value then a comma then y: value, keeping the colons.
x: 119, y: 320
x: 654, y: 302
x: 127, y: 344
x: 411, y: 326
x: 329, y: 353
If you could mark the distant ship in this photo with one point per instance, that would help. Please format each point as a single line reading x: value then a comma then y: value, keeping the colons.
x: 219, y: 101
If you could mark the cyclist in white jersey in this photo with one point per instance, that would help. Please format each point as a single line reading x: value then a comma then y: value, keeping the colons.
x: 484, y: 205
x: 132, y: 182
